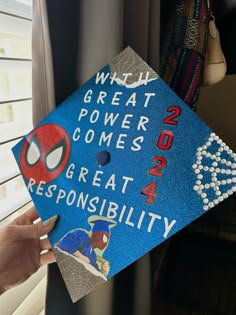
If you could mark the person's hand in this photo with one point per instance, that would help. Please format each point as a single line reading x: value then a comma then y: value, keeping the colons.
x: 21, y: 247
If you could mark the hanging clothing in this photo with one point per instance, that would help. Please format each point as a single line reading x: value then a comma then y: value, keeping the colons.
x: 184, y: 30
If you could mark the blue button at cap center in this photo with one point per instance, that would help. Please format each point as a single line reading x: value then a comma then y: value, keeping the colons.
x: 103, y: 158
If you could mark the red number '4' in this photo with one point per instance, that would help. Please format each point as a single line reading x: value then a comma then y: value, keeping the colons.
x: 150, y: 192
x: 155, y: 171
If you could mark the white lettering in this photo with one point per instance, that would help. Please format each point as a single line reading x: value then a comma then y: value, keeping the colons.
x: 87, y: 96
x: 68, y: 201
x: 39, y: 190
x: 89, y: 136
x: 112, y: 210
x: 136, y: 146
x: 101, y: 97
x: 70, y: 171
x: 94, y: 116
x: 168, y: 226
x: 148, y: 96
x: 146, y: 78
x: 101, y: 78
x: 76, y: 134
x: 83, y: 112
x: 109, y: 118
x: 111, y: 182
x: 126, y: 75
x: 81, y: 203
x: 126, y: 123
x: 83, y: 171
x: 104, y: 138
x: 143, y: 120
x: 92, y: 207
x: 31, y: 183
x: 120, y: 143
x: 153, y: 218
x: 126, y: 180
x: 127, y: 221
x: 51, y: 188
x: 116, y: 99
x: 61, y: 195
x: 131, y: 100
x: 96, y: 179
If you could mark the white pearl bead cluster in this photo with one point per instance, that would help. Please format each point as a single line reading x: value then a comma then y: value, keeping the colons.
x: 216, y: 167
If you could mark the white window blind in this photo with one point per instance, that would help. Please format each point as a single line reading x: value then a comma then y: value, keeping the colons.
x: 15, y: 101
x: 15, y: 122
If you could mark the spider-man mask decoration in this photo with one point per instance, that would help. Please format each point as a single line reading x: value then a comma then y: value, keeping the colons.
x: 100, y: 239
x: 45, y: 153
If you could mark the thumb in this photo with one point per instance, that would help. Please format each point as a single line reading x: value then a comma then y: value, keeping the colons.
x: 31, y: 231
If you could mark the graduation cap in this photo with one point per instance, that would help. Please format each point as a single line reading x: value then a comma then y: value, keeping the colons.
x: 128, y: 149
x: 101, y: 224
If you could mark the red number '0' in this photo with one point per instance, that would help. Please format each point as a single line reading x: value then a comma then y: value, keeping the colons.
x: 165, y: 140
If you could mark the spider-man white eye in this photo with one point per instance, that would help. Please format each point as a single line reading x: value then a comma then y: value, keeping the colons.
x: 104, y: 238
x: 33, y: 154
x: 54, y: 157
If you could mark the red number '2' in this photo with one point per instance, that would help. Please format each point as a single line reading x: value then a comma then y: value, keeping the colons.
x: 155, y: 171
x: 170, y: 120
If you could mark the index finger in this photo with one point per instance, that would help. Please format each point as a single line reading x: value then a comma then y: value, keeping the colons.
x: 28, y: 217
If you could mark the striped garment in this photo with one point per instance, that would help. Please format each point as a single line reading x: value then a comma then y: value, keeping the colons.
x: 183, y: 48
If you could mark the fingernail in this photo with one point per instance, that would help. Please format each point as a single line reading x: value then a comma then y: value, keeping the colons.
x: 50, y: 220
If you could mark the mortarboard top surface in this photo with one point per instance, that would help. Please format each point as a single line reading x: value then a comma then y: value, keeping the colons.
x: 125, y: 147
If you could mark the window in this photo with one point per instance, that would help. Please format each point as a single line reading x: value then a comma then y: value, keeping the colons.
x: 15, y: 101
x: 15, y: 122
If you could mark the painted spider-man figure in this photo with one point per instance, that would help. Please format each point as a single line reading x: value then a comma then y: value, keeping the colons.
x: 81, y: 243
x: 45, y: 153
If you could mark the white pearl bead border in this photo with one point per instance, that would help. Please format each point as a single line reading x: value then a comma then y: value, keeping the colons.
x: 215, y: 169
